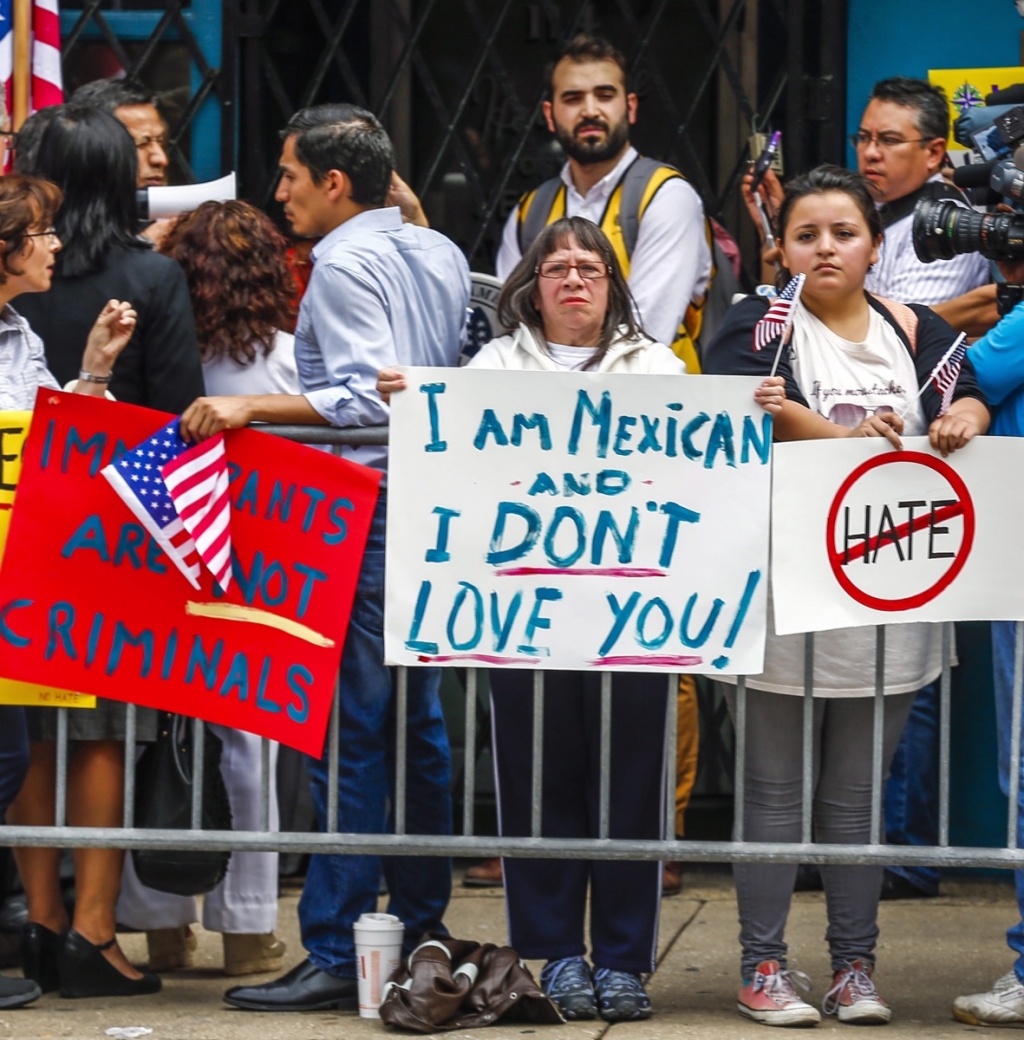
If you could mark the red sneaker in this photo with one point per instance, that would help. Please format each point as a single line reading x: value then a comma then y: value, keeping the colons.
x: 770, y: 997
x: 853, y: 997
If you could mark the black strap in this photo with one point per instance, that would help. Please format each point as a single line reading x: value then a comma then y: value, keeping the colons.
x: 537, y: 215
x: 896, y: 210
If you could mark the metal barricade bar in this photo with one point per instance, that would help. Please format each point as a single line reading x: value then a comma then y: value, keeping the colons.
x: 60, y: 809
x: 1015, y: 714
x: 808, y: 739
x: 671, y: 754
x: 469, y: 756
x: 198, y: 768
x: 945, y: 684
x: 129, y: 764
x: 878, y: 737
x: 606, y: 755
x: 537, y: 780
x: 401, y: 748
x: 264, y: 784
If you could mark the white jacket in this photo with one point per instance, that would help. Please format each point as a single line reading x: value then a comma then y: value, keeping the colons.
x: 522, y: 351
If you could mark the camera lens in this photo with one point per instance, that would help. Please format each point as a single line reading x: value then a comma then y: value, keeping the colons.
x: 942, y: 230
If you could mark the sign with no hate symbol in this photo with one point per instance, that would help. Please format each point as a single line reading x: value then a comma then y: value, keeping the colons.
x: 866, y: 535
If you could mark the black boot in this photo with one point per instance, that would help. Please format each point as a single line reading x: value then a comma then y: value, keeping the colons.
x: 85, y: 972
x: 39, y: 948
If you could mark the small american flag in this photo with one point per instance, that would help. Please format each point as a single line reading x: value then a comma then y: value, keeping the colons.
x: 778, y: 319
x: 179, y: 492
x: 947, y: 371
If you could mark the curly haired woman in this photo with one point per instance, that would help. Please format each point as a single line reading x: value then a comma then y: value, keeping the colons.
x: 242, y: 294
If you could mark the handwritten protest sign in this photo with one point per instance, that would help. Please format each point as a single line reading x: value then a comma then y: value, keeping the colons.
x: 574, y: 520
x: 865, y: 535
x: 14, y: 427
x: 88, y: 600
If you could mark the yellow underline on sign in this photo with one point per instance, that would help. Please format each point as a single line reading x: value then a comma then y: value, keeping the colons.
x: 255, y: 616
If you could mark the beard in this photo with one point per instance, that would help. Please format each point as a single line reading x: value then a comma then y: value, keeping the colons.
x: 590, y: 151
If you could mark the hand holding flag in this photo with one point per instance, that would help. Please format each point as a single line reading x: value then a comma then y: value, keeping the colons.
x: 179, y: 492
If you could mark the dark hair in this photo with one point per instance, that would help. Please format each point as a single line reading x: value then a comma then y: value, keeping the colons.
x: 25, y: 202
x: 345, y: 138
x: 827, y: 178
x: 109, y: 94
x: 26, y: 141
x: 92, y: 158
x: 516, y: 305
x: 583, y: 48
x: 238, y: 277
x: 930, y: 103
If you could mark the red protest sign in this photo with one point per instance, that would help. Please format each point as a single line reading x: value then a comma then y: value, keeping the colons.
x: 895, y: 525
x: 88, y: 601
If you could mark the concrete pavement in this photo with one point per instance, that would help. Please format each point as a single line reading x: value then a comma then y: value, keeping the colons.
x: 929, y: 952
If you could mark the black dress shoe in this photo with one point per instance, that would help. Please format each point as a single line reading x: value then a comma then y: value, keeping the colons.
x: 85, y: 972
x: 39, y: 948
x: 15, y: 993
x: 304, y: 988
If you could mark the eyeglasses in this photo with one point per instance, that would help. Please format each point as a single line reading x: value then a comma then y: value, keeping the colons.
x: 590, y: 270
x: 885, y: 142
x: 48, y: 233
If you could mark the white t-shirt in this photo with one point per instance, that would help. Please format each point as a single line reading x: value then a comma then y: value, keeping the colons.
x: 572, y: 359
x: 272, y: 373
x: 844, y: 381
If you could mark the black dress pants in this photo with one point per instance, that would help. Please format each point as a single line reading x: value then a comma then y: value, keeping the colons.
x: 547, y: 898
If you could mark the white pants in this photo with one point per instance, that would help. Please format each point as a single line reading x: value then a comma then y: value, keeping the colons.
x: 245, y: 902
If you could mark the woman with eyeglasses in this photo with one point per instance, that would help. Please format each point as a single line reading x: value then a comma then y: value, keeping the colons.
x: 91, y: 157
x: 853, y: 368
x: 28, y: 247
x: 571, y: 311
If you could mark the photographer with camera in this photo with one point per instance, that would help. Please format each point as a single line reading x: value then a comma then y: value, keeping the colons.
x: 901, y: 145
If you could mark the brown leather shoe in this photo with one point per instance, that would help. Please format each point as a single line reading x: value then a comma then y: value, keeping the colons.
x: 671, y: 878
x: 485, y: 874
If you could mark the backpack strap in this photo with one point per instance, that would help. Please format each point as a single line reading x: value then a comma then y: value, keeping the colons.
x: 538, y: 208
x: 639, y: 184
x: 903, y: 316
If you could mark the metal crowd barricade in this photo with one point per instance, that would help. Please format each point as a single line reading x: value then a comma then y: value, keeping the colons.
x: 604, y: 846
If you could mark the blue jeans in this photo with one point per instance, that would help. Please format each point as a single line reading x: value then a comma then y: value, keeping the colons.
x: 340, y: 888
x: 1002, y: 673
x: 912, y: 792
x: 13, y: 754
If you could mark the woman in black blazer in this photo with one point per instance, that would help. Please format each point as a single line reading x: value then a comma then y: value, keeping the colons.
x: 91, y: 156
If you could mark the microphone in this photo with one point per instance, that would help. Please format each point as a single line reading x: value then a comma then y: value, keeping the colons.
x: 160, y: 202
x: 974, y: 175
x: 1007, y: 96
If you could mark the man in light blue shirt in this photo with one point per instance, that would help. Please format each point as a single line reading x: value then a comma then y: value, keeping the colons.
x: 382, y: 293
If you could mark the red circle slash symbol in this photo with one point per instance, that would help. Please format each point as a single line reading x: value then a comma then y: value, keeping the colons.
x: 960, y: 506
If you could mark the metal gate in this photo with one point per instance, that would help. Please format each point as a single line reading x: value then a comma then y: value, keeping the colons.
x: 459, y: 85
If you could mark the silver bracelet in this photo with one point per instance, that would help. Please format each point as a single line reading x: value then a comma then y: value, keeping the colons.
x: 88, y: 377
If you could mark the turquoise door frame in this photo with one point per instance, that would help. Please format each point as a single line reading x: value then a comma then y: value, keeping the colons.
x: 206, y: 22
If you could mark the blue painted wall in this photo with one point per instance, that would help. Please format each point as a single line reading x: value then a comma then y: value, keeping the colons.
x: 909, y: 37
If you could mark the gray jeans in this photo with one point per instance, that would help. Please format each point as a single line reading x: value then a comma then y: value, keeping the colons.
x: 842, y: 815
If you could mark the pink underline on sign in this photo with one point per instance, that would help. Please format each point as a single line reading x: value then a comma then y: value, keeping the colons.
x: 485, y: 658
x: 686, y: 661
x: 591, y: 572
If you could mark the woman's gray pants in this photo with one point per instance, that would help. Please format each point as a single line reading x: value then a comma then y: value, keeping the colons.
x: 841, y: 813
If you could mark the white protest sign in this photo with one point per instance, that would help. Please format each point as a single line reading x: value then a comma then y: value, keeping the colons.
x: 575, y: 520
x: 866, y: 535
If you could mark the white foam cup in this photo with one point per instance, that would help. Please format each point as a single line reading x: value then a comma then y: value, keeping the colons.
x: 378, y: 953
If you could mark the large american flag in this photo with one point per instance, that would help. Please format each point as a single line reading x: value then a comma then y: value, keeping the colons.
x: 179, y: 492
x: 778, y: 319
x: 47, y: 86
x: 947, y: 371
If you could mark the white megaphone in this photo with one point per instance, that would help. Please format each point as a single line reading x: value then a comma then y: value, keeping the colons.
x: 159, y: 202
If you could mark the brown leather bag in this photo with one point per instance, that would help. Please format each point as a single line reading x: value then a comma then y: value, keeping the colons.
x: 451, y: 983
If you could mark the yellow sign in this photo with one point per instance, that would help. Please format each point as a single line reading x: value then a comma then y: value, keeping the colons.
x: 967, y: 88
x: 13, y: 432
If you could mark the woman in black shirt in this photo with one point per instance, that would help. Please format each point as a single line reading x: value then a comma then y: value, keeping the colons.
x: 91, y: 157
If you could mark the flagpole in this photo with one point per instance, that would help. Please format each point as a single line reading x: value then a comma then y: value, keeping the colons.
x: 22, y: 15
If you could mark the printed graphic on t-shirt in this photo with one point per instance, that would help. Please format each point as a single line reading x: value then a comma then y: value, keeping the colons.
x: 850, y: 406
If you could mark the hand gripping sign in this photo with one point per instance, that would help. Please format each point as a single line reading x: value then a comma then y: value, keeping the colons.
x: 89, y: 600
x: 575, y: 520
x: 865, y: 535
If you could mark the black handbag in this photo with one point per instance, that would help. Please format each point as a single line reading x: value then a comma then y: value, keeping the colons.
x: 163, y: 801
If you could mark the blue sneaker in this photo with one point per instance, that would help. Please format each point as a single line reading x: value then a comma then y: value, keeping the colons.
x: 621, y: 996
x: 567, y: 983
